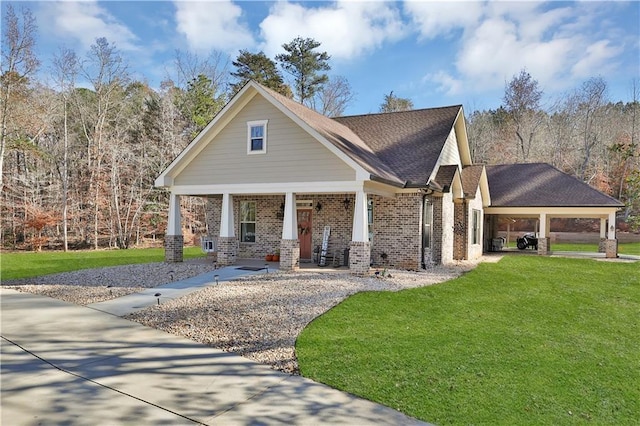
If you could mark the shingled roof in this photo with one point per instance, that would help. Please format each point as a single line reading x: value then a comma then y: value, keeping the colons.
x: 541, y: 185
x: 409, y: 142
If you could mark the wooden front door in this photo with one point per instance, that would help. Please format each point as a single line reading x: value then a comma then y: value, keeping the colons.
x: 304, y: 233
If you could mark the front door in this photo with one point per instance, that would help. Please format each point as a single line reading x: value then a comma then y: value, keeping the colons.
x: 304, y: 233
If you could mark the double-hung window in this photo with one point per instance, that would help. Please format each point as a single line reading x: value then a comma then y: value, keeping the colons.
x: 257, y: 137
x: 248, y: 221
x: 475, y: 237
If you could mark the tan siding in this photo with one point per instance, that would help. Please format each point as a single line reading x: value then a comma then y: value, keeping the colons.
x: 450, y: 153
x: 292, y: 154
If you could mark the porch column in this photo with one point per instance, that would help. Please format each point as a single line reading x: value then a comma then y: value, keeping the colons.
x: 602, y: 246
x: 174, y: 240
x: 227, y: 241
x: 611, y: 245
x: 289, y: 244
x: 360, y: 247
x: 544, y: 243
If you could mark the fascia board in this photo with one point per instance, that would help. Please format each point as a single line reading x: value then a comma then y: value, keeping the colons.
x: 327, y: 187
x: 578, y: 212
x: 462, y: 138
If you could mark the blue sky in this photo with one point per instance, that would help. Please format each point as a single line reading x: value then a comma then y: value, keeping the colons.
x: 434, y: 52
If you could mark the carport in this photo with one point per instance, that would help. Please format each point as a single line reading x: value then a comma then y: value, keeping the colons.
x: 542, y: 192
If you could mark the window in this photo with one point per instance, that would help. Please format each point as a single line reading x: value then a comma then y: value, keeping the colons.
x: 370, y: 218
x: 427, y: 221
x: 248, y: 221
x: 475, y: 237
x: 257, y: 137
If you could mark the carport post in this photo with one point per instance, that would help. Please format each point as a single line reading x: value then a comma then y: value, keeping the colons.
x: 174, y: 240
x: 543, y: 239
x: 611, y: 244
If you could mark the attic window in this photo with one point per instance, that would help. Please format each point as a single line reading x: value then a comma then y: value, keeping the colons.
x: 257, y: 137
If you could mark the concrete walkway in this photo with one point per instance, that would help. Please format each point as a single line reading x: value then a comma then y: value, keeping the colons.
x: 137, y: 301
x: 72, y: 365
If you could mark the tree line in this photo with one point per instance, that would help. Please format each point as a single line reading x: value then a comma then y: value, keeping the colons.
x: 80, y: 148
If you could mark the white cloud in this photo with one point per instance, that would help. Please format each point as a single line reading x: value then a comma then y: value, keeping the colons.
x: 554, y: 44
x: 597, y: 60
x: 211, y: 25
x: 85, y: 21
x: 436, y: 19
x: 346, y: 29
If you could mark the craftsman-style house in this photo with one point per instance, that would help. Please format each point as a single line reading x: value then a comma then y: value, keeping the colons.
x: 396, y: 189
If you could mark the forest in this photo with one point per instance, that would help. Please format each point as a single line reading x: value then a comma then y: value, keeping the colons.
x: 80, y: 148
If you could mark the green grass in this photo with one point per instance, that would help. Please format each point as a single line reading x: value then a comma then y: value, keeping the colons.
x: 28, y: 264
x: 528, y: 340
x: 623, y: 248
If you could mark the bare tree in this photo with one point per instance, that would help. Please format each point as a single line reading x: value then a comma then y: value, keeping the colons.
x: 19, y: 62
x: 522, y: 103
x: 334, y: 97
x: 393, y: 103
x: 65, y: 70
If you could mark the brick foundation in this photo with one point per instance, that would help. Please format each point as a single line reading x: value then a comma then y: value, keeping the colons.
x: 602, y: 245
x: 173, y: 248
x: 359, y: 257
x: 289, y: 255
x: 227, y: 250
x: 611, y: 248
x: 544, y: 246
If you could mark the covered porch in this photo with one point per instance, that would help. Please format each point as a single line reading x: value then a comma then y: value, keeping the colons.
x: 606, y: 215
x: 301, y: 226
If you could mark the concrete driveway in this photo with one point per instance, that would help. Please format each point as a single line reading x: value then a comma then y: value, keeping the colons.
x: 70, y: 365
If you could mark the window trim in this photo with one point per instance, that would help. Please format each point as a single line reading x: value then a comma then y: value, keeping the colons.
x: 254, y: 221
x: 257, y: 123
x: 476, y: 226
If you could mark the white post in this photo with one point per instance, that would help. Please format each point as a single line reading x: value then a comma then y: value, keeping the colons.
x: 543, y: 226
x: 360, y: 230
x: 174, y: 225
x: 603, y: 228
x: 227, y: 221
x: 290, y: 221
x: 611, y: 232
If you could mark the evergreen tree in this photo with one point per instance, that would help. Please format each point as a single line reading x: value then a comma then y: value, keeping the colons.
x: 258, y: 67
x: 305, y: 64
x: 392, y: 103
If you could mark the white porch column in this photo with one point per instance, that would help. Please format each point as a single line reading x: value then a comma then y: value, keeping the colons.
x: 227, y: 242
x: 360, y: 231
x: 290, y: 244
x: 603, y: 228
x: 174, y: 227
x: 290, y: 222
x: 611, y: 231
x: 543, y: 239
x: 227, y: 221
x: 360, y: 247
x: 174, y: 240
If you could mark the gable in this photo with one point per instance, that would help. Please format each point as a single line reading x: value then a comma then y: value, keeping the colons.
x: 292, y: 154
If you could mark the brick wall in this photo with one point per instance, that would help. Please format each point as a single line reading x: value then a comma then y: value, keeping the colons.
x: 397, y: 231
x: 460, y: 229
x: 173, y: 248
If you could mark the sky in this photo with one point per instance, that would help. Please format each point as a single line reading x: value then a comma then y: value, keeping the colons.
x: 436, y: 53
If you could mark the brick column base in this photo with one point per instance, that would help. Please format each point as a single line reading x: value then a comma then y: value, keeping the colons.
x: 227, y: 250
x: 289, y: 255
x: 611, y: 248
x: 359, y: 257
x: 544, y: 246
x: 602, y: 246
x: 173, y: 248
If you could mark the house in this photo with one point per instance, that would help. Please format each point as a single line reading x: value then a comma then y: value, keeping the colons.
x: 395, y: 189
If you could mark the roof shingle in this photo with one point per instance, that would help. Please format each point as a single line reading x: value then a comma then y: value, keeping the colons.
x: 541, y: 185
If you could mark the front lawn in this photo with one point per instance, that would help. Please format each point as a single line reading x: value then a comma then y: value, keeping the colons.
x: 16, y: 265
x: 528, y: 340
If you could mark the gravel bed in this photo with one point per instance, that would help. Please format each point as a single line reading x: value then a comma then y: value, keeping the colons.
x: 97, y: 285
x: 260, y: 317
